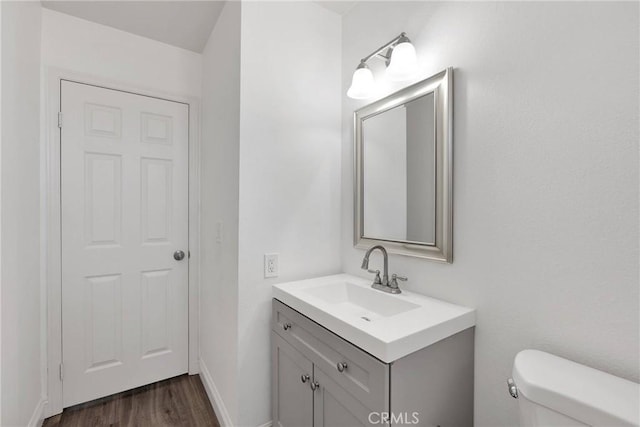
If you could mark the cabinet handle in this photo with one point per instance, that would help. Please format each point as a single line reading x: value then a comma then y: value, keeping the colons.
x: 314, y: 385
x: 286, y: 326
x: 304, y: 378
x: 341, y: 366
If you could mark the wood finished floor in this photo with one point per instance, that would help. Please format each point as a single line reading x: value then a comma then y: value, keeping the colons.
x: 179, y: 401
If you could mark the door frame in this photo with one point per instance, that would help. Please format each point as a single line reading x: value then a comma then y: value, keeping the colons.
x: 51, y: 215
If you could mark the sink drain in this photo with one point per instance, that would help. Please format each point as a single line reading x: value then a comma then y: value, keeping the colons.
x: 365, y: 318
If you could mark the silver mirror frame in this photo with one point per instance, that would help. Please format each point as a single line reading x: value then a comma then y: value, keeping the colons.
x: 441, y: 85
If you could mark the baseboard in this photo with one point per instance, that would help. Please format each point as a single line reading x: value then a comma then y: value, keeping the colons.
x: 214, y: 396
x: 267, y: 424
x: 37, y: 418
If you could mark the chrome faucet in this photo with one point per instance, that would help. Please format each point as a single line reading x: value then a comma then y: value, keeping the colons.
x: 385, y: 274
x: 382, y: 284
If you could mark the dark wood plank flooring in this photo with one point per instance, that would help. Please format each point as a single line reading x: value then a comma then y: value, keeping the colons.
x: 179, y: 401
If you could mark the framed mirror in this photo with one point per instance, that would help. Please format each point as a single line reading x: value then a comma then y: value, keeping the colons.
x: 404, y: 171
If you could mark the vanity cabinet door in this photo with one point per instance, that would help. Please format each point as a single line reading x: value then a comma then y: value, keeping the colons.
x: 366, y: 377
x: 335, y: 407
x: 292, y: 397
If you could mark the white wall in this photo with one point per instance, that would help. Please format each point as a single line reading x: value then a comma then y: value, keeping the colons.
x: 289, y: 170
x: 219, y: 204
x: 546, y: 177
x: 78, y: 45
x: 21, y: 388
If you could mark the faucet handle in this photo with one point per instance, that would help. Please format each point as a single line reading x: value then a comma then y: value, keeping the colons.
x: 394, y: 280
x: 377, y: 280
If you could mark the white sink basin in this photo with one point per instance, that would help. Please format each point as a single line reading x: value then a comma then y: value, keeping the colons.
x: 387, y: 326
x: 358, y: 302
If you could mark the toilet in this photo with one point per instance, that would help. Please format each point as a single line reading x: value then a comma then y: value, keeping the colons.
x: 553, y: 391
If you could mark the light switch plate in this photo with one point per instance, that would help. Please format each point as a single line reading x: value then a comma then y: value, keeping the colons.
x: 271, y: 265
x: 219, y: 232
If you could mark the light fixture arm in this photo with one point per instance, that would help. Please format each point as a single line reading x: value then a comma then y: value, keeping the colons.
x: 386, y: 48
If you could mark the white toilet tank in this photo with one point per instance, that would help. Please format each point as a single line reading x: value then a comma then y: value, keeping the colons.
x: 553, y: 392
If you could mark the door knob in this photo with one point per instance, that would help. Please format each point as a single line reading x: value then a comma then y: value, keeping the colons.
x: 341, y: 366
x: 178, y: 255
x: 314, y: 385
x: 304, y: 378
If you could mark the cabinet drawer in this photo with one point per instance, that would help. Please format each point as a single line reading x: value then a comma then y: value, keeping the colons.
x: 365, y: 377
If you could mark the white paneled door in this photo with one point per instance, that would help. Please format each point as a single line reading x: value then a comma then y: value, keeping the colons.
x: 124, y: 219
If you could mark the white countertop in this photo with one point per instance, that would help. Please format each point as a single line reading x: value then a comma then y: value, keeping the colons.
x: 387, y: 326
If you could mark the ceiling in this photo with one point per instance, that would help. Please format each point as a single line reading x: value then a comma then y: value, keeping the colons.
x: 182, y: 23
x: 185, y: 24
x: 340, y: 7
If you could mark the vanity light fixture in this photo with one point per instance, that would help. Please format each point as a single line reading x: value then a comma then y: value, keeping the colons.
x: 404, y: 63
x: 399, y: 56
x: 362, y: 82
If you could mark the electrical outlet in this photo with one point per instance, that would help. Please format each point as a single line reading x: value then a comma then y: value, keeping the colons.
x: 270, y: 265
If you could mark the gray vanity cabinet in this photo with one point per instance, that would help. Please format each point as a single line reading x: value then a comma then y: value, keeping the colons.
x: 294, y: 398
x: 345, y: 384
x: 347, y: 387
x: 297, y: 404
x: 333, y: 406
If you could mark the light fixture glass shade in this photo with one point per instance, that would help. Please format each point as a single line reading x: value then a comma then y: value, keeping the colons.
x: 362, y: 83
x: 404, y: 63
